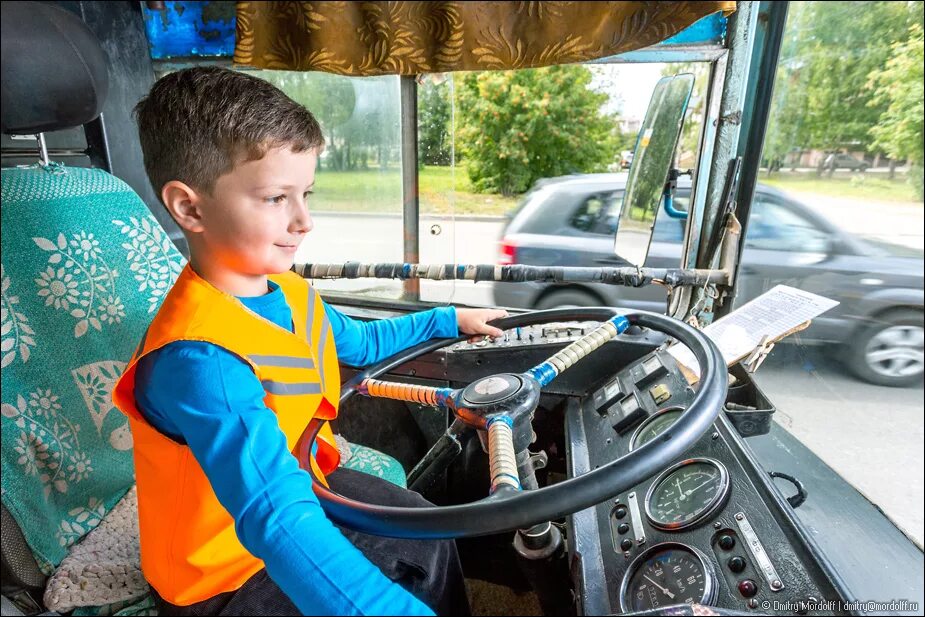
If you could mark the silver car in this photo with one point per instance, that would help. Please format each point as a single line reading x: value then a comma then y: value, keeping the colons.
x: 570, y: 221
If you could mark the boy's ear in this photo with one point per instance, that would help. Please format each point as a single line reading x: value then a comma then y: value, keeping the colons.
x: 182, y: 203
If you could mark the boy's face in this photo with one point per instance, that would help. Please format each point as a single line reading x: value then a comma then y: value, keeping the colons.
x: 257, y: 215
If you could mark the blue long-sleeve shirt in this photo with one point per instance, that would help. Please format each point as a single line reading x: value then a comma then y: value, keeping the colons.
x: 202, y: 395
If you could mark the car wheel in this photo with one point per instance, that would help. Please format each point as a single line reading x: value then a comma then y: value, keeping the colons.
x: 567, y: 298
x: 889, y: 352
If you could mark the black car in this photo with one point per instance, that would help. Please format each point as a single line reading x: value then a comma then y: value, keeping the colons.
x: 570, y: 221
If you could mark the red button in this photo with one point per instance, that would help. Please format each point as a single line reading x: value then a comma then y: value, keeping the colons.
x: 748, y: 588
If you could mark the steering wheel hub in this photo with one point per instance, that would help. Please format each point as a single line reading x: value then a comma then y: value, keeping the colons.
x: 504, y: 394
x: 493, y: 389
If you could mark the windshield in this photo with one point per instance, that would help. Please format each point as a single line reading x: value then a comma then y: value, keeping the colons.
x: 845, y: 227
x: 529, y: 167
x: 849, y: 226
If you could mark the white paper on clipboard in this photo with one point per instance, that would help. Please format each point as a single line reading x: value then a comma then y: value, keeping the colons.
x: 773, y: 314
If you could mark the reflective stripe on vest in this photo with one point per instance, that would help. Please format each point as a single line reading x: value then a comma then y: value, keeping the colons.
x: 189, y: 548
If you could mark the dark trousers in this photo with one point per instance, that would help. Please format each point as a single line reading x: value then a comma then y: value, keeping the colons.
x: 429, y: 569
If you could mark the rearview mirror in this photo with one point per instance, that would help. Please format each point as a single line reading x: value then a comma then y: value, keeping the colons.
x: 655, y: 148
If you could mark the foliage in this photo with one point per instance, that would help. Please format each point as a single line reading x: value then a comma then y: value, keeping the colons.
x: 899, y: 86
x: 623, y: 141
x: 516, y: 127
x: 829, y: 50
x: 434, y: 123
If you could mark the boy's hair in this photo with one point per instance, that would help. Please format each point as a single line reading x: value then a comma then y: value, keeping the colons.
x: 196, y: 124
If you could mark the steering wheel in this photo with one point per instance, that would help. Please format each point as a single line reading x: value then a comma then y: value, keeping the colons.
x: 503, y: 405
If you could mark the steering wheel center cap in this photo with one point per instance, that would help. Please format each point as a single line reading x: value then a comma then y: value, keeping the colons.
x: 492, y: 389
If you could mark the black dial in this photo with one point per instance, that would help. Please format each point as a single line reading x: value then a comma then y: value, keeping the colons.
x: 687, y: 493
x: 655, y: 426
x: 667, y: 574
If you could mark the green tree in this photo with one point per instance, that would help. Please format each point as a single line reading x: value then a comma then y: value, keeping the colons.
x: 623, y: 141
x: 899, y: 87
x: 829, y: 50
x: 784, y: 134
x: 434, y: 129
x: 689, y: 143
x: 516, y: 127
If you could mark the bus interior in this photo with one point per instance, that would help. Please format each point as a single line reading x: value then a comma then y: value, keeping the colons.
x: 615, y: 463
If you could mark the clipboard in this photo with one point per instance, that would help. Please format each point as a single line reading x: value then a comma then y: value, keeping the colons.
x: 751, y: 331
x: 753, y: 359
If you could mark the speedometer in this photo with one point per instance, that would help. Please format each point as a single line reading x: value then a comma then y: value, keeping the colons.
x: 666, y: 574
x: 687, y: 493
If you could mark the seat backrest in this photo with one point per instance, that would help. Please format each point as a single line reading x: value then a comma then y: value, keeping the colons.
x: 84, y: 268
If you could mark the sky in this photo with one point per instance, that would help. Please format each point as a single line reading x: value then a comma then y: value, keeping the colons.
x: 630, y: 86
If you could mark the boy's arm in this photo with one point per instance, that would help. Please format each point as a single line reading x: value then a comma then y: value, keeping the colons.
x: 361, y: 343
x: 213, y: 401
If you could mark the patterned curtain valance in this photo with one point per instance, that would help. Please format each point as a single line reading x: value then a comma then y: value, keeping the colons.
x: 407, y: 38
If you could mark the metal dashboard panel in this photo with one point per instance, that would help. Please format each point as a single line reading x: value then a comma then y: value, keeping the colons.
x: 596, y: 554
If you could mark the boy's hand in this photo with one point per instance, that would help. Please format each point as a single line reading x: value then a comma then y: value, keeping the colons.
x: 473, y: 321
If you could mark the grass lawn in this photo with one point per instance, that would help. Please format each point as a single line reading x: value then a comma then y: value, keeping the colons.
x: 444, y: 190
x: 857, y: 186
x: 379, y: 191
x: 371, y: 190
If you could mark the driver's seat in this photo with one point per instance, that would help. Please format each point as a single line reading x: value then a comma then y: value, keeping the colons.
x: 84, y: 267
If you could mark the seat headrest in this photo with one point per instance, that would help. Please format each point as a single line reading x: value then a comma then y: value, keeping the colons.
x: 54, y: 71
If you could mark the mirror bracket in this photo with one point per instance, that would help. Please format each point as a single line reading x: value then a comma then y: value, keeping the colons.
x: 695, y: 305
x: 668, y: 193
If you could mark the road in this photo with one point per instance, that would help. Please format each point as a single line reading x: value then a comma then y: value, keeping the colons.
x: 897, y: 222
x: 338, y: 238
x: 872, y: 436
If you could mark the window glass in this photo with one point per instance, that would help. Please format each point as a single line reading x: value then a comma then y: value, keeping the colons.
x: 667, y: 229
x: 545, y: 211
x: 357, y: 201
x: 671, y: 230
x: 775, y: 227
x: 535, y: 153
x: 844, y: 143
x: 488, y: 143
x: 588, y: 214
x: 611, y: 219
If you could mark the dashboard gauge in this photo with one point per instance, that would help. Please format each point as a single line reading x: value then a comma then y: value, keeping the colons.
x: 687, y: 493
x: 666, y: 574
x: 654, y: 426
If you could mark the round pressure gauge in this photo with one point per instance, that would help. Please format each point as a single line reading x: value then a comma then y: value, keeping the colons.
x: 687, y: 493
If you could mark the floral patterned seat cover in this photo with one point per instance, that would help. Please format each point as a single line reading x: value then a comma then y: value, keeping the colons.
x: 85, y: 267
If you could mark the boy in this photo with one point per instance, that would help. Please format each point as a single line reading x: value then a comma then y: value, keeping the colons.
x: 241, y: 355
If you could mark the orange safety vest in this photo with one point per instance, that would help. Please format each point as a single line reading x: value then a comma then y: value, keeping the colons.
x: 189, y: 549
